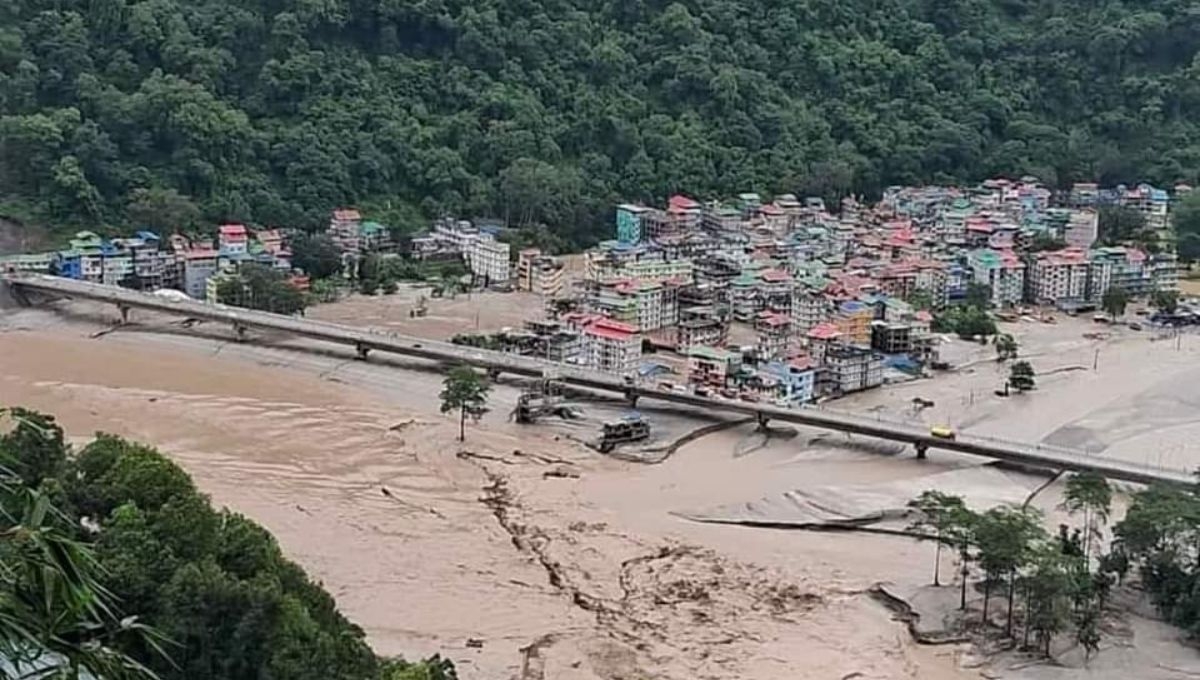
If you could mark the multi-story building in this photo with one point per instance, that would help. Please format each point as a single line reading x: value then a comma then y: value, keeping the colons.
x: 712, y: 367
x: 629, y: 222
x: 1164, y: 271
x: 555, y: 341
x: 701, y: 328
x: 612, y: 346
x: 743, y: 297
x: 344, y: 227
x: 1118, y: 267
x: 892, y: 337
x: 538, y: 273
x: 487, y: 258
x: 952, y: 221
x: 809, y: 308
x: 853, y: 320
x: 774, y: 335
x: 821, y: 338
x: 116, y: 265
x: 68, y: 264
x: 1082, y: 228
x: 233, y: 240
x: 199, y: 264
x: 851, y: 369
x: 1059, y: 277
x: 90, y: 247
x: 796, y: 380
x: 1001, y: 271
x: 29, y: 263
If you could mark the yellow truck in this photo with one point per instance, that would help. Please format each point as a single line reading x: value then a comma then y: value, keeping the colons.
x: 942, y: 431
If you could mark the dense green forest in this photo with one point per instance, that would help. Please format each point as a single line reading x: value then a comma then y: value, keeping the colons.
x: 221, y: 600
x: 165, y: 111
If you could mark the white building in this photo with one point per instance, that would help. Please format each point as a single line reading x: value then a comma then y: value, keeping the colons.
x: 1059, y: 276
x: 487, y: 258
x: 1082, y: 229
x: 612, y: 346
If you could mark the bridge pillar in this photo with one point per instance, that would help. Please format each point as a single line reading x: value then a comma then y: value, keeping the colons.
x: 922, y: 449
x: 240, y: 331
x: 124, y: 310
x: 762, y: 421
x: 361, y: 350
x: 631, y: 395
x: 493, y: 373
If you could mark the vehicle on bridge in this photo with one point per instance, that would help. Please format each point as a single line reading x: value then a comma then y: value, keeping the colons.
x: 942, y: 432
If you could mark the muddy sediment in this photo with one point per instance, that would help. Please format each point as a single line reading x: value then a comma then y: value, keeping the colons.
x: 533, y: 557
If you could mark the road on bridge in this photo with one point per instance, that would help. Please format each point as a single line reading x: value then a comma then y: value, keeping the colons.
x: 365, y: 341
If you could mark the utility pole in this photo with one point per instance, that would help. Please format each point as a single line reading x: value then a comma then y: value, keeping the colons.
x: 1096, y: 359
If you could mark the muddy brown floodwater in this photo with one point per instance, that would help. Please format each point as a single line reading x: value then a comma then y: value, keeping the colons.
x: 555, y: 562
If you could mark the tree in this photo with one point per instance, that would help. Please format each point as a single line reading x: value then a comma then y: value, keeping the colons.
x: 213, y: 582
x: 1119, y: 223
x: 1166, y: 301
x: 1006, y: 347
x: 1021, y: 376
x: 1185, y: 217
x: 1114, y: 301
x: 162, y: 210
x: 1047, y: 608
x: 979, y: 295
x: 33, y: 449
x: 1006, y: 537
x: 316, y: 255
x: 1043, y: 242
x: 56, y: 617
x: 948, y: 516
x: 464, y: 391
x: 1089, y: 493
x: 921, y: 299
x: 390, y: 287
x: 256, y: 286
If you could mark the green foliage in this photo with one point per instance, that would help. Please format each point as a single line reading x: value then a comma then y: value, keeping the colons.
x: 1165, y: 300
x: 1186, y: 219
x: 324, y: 290
x: 1091, y: 494
x: 1006, y: 347
x: 213, y: 582
x: 968, y: 322
x: 949, y: 518
x: 57, y: 620
x: 316, y: 255
x: 162, y: 210
x: 1121, y: 224
x: 920, y: 299
x: 464, y: 391
x: 257, y: 286
x: 1045, y: 241
x: 1021, y: 376
x: 33, y: 448
x: 979, y: 295
x: 1114, y: 301
x: 1160, y: 534
x: 546, y: 113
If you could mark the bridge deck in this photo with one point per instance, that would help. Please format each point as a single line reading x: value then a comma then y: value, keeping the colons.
x: 1038, y: 455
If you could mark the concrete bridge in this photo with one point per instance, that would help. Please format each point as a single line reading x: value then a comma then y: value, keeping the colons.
x: 27, y: 288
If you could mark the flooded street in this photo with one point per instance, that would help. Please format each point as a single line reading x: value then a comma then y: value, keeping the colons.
x: 523, y: 554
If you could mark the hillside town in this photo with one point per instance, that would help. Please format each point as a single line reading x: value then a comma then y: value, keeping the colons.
x: 785, y: 301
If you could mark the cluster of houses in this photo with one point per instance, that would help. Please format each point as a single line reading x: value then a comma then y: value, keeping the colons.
x: 825, y: 296
x: 196, y: 266
x: 147, y: 261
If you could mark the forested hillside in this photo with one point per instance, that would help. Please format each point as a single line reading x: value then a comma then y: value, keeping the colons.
x: 548, y: 110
